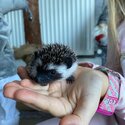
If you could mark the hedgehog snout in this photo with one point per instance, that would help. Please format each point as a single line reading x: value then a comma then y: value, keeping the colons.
x: 42, y: 79
x: 47, y: 77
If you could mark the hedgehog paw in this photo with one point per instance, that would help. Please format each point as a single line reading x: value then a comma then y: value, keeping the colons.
x: 70, y: 79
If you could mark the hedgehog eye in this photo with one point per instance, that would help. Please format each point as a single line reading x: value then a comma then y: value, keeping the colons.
x: 52, y: 72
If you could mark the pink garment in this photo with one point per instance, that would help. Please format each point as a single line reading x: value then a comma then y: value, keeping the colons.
x: 112, y: 108
x: 109, y: 102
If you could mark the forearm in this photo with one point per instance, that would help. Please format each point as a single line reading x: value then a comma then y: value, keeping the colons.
x: 105, y: 82
x: 102, y: 78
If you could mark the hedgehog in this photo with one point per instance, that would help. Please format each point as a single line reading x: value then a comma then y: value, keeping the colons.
x: 52, y: 62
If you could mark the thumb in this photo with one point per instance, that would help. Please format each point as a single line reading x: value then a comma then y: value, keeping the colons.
x: 83, y: 112
x: 22, y: 72
x: 71, y: 120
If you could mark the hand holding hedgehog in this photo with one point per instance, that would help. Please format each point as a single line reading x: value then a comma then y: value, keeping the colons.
x: 75, y: 103
x: 52, y: 62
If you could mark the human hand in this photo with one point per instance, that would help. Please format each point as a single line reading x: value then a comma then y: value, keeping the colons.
x: 76, y: 103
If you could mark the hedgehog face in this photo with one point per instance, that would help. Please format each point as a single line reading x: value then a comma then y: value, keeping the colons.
x: 45, y: 75
x: 64, y: 70
x: 54, y: 62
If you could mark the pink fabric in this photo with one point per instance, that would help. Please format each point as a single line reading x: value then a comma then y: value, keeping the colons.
x: 120, y: 109
x: 109, y: 102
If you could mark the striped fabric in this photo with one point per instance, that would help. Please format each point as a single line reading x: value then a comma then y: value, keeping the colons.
x: 109, y: 102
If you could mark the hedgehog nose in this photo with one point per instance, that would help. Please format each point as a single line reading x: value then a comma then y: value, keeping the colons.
x: 43, y: 79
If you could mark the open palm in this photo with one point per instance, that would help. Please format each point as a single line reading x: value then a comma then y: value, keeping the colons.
x: 79, y: 99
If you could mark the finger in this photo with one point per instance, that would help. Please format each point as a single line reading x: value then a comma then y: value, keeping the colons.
x: 82, y: 114
x: 27, y: 83
x: 70, y: 120
x: 43, y: 102
x: 14, y: 83
x: 86, y: 107
x: 22, y: 72
x: 10, y: 89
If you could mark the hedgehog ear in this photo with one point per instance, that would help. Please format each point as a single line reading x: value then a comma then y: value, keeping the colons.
x: 37, y: 57
x: 36, y: 53
x: 68, y: 61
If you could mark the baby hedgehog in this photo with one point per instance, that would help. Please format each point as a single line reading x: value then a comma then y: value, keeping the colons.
x: 52, y: 62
